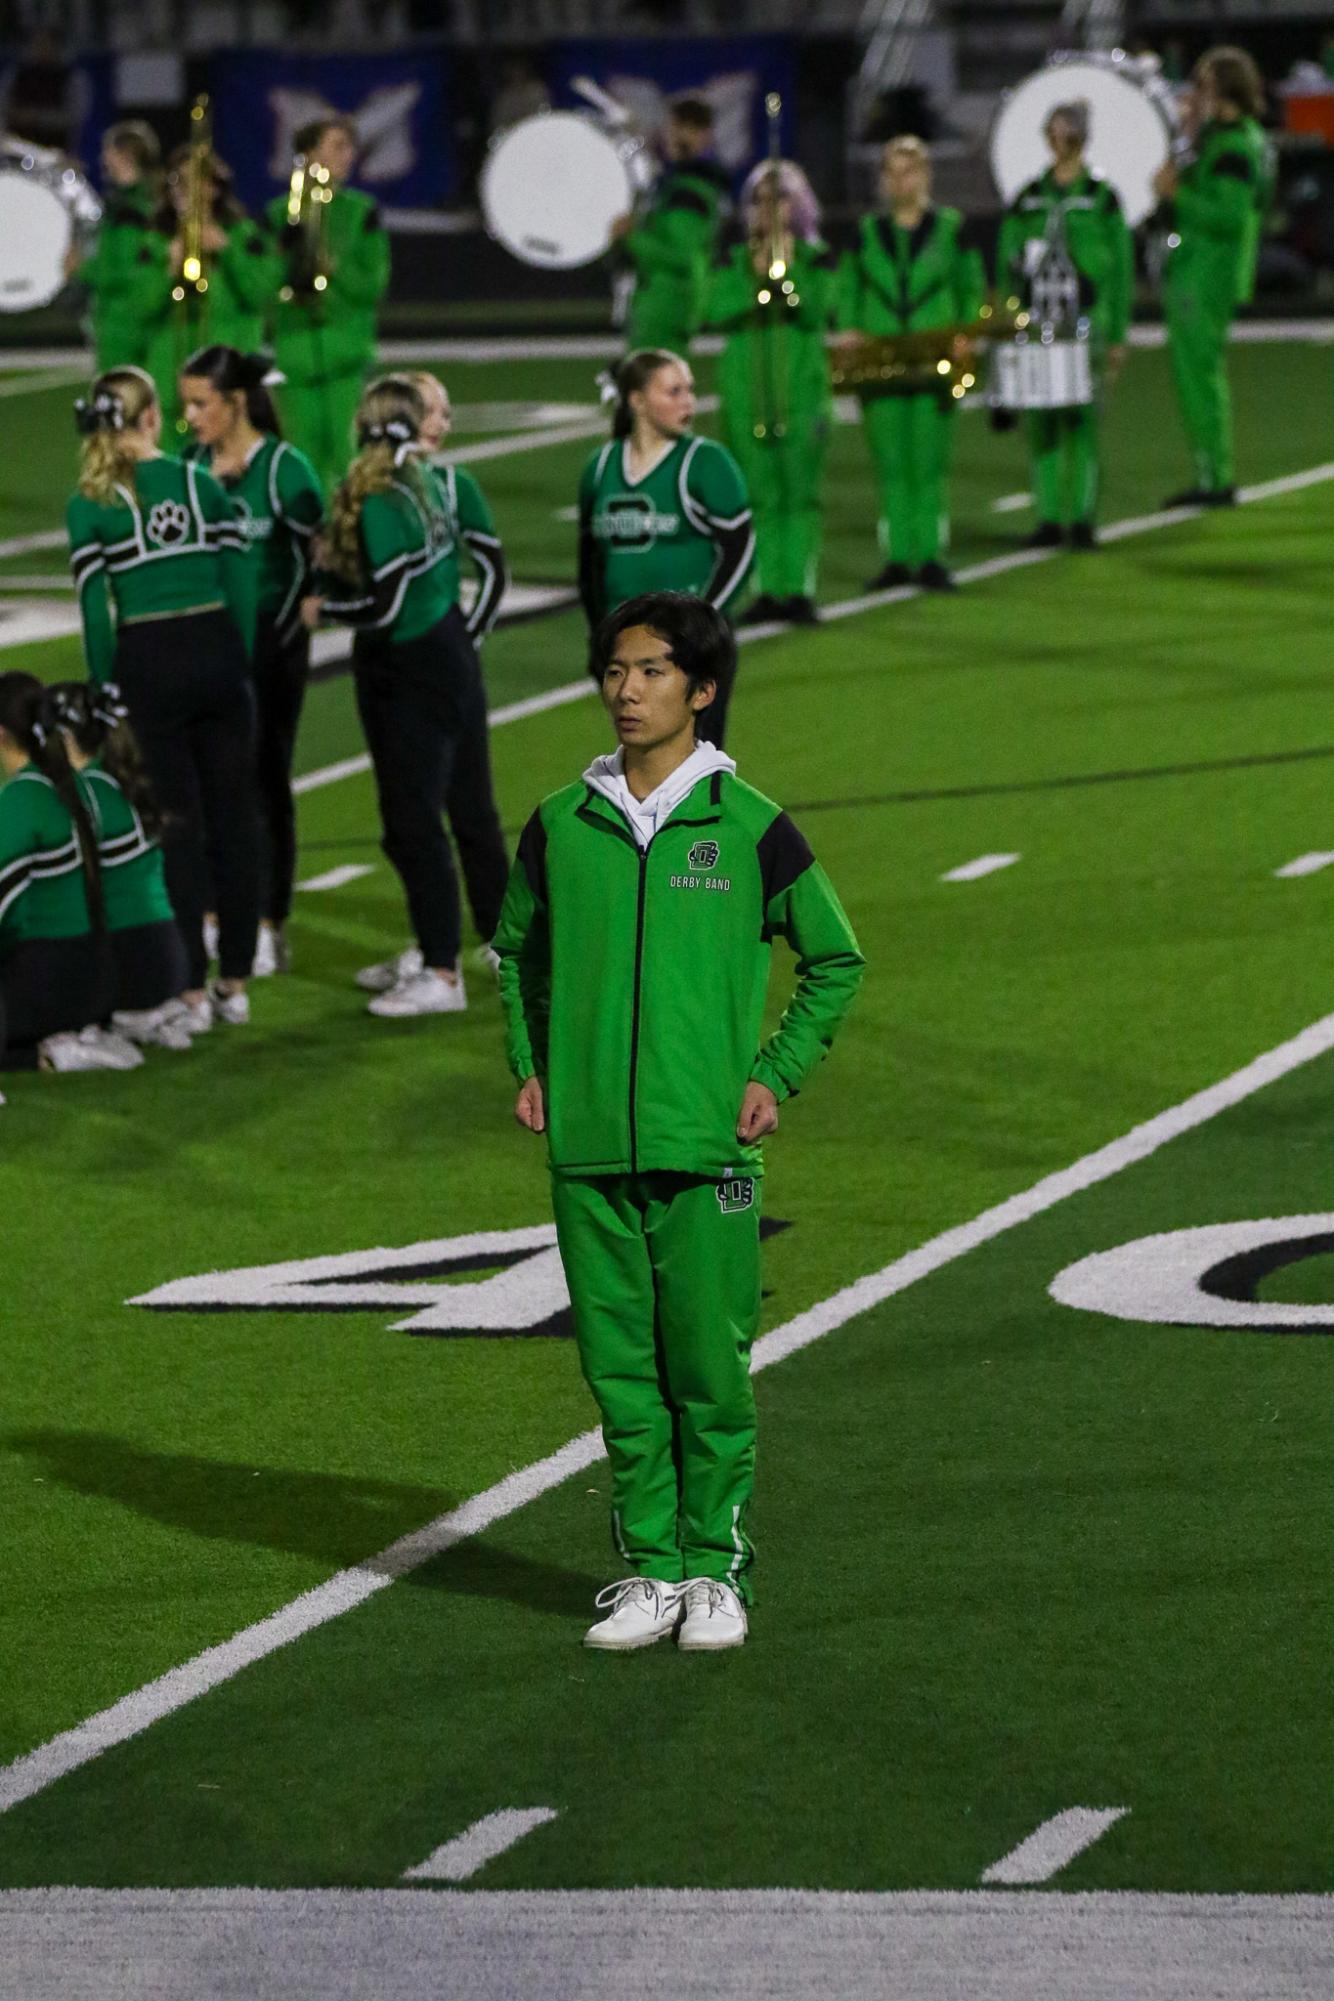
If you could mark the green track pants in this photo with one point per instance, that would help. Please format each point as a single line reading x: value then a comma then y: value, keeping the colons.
x: 911, y: 439
x: 664, y: 1277
x: 1063, y: 445
x: 318, y: 418
x: 1197, y: 327
x: 783, y: 478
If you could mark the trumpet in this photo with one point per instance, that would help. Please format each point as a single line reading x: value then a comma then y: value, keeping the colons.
x: 193, y: 277
x: 927, y: 359
x: 309, y: 193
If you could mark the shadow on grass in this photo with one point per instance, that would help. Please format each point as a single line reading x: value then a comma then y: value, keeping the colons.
x: 334, y: 1518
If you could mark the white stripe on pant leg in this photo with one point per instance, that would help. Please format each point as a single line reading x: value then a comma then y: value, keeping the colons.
x: 738, y: 1544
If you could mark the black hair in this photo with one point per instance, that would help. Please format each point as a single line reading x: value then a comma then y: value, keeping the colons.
x: 99, y: 722
x: 308, y: 136
x: 635, y: 372
x: 701, y: 641
x: 225, y: 209
x: 28, y: 713
x: 694, y: 112
x: 229, y: 370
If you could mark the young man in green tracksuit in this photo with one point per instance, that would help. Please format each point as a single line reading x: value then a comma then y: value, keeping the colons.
x: 634, y: 955
x: 331, y: 273
x: 1069, y: 221
x: 666, y: 252
x: 913, y: 270
x: 1215, y: 208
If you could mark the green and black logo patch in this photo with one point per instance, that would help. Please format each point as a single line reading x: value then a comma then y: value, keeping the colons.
x: 704, y: 855
x: 736, y: 1193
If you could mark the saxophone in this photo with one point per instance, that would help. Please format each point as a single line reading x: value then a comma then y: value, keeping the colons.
x: 911, y: 362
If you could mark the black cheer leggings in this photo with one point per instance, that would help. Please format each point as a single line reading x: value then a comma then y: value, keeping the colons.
x: 423, y: 708
x: 187, y: 685
x: 279, y: 672
x: 49, y: 986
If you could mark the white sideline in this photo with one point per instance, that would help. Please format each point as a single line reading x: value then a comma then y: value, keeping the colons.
x: 983, y: 865
x: 1048, y: 1849
x: 974, y: 573
x: 337, y: 878
x: 494, y: 1834
x: 37, y: 1769
x: 663, y: 1945
x: 1307, y: 864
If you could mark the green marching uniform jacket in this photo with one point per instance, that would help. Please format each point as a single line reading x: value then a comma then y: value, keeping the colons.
x: 1097, y: 238
x: 412, y: 537
x: 134, y: 888
x: 119, y: 334
x: 685, y: 526
x: 229, y: 314
x: 279, y: 504
x: 1217, y: 214
x: 670, y: 250
x: 634, y: 982
x: 773, y: 373
x: 42, y: 891
x: 166, y: 545
x: 331, y: 332
x: 909, y: 280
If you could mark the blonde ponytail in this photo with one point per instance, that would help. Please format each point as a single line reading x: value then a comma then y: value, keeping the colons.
x: 105, y: 418
x: 389, y: 420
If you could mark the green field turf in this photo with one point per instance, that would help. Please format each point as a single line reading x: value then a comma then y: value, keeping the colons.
x: 1013, y: 1557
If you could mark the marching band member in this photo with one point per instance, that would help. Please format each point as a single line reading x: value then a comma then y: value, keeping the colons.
x: 391, y: 570
x: 158, y: 540
x: 148, y: 956
x: 912, y: 270
x: 177, y: 317
x: 660, y: 509
x: 1216, y: 208
x: 671, y: 246
x: 773, y: 300
x: 1071, y: 218
x: 131, y: 169
x: 55, y: 969
x: 333, y: 272
x: 275, y: 493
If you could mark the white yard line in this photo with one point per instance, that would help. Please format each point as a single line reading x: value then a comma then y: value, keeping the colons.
x: 1012, y: 503
x: 24, y: 545
x: 495, y: 1834
x: 983, y: 865
x: 995, y: 566
x: 1049, y: 1848
x: 37, y: 1769
x: 63, y: 377
x: 336, y: 878
x: 660, y: 1945
x: 1306, y: 864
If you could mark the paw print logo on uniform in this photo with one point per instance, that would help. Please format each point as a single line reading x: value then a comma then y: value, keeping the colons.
x: 169, y: 524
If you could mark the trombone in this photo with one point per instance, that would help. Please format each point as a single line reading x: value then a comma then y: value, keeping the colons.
x: 777, y: 285
x: 193, y: 277
x: 309, y: 193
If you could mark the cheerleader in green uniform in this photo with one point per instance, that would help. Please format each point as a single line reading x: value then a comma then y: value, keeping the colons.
x: 773, y: 300
x: 913, y: 270
x: 177, y: 319
x: 275, y: 494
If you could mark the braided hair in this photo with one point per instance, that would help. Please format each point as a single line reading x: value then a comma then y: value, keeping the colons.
x: 389, y: 420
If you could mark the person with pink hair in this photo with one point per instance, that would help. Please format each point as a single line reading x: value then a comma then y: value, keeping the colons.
x: 773, y: 300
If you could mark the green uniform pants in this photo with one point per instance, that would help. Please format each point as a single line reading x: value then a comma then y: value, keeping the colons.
x: 911, y: 439
x: 664, y: 1277
x: 783, y: 478
x: 1197, y: 327
x: 1063, y: 445
x: 318, y: 418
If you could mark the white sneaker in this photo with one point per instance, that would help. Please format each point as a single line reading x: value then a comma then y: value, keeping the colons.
x: 154, y: 1027
x: 421, y: 993
x: 70, y: 1052
x: 380, y: 978
x: 195, y: 1017
x: 643, y: 1609
x: 233, y: 1008
x: 116, y: 1052
x: 714, y: 1616
x: 272, y: 952
x: 211, y: 938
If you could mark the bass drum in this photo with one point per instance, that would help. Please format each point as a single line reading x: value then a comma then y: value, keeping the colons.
x: 553, y: 185
x: 1132, y: 125
x: 44, y: 202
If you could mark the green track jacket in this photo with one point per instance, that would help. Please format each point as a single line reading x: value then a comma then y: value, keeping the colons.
x: 1218, y: 212
x: 634, y: 982
x: 319, y: 334
x: 906, y: 280
x: 1088, y: 213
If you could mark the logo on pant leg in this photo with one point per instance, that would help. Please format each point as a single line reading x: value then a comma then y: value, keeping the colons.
x: 736, y: 1193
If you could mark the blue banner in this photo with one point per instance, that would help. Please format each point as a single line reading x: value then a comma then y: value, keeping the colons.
x: 262, y: 97
x: 733, y: 74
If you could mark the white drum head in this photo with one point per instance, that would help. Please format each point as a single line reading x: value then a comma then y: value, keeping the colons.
x: 35, y: 231
x: 1130, y: 128
x: 553, y: 185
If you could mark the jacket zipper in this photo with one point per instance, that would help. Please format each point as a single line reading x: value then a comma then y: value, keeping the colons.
x: 634, y: 1018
